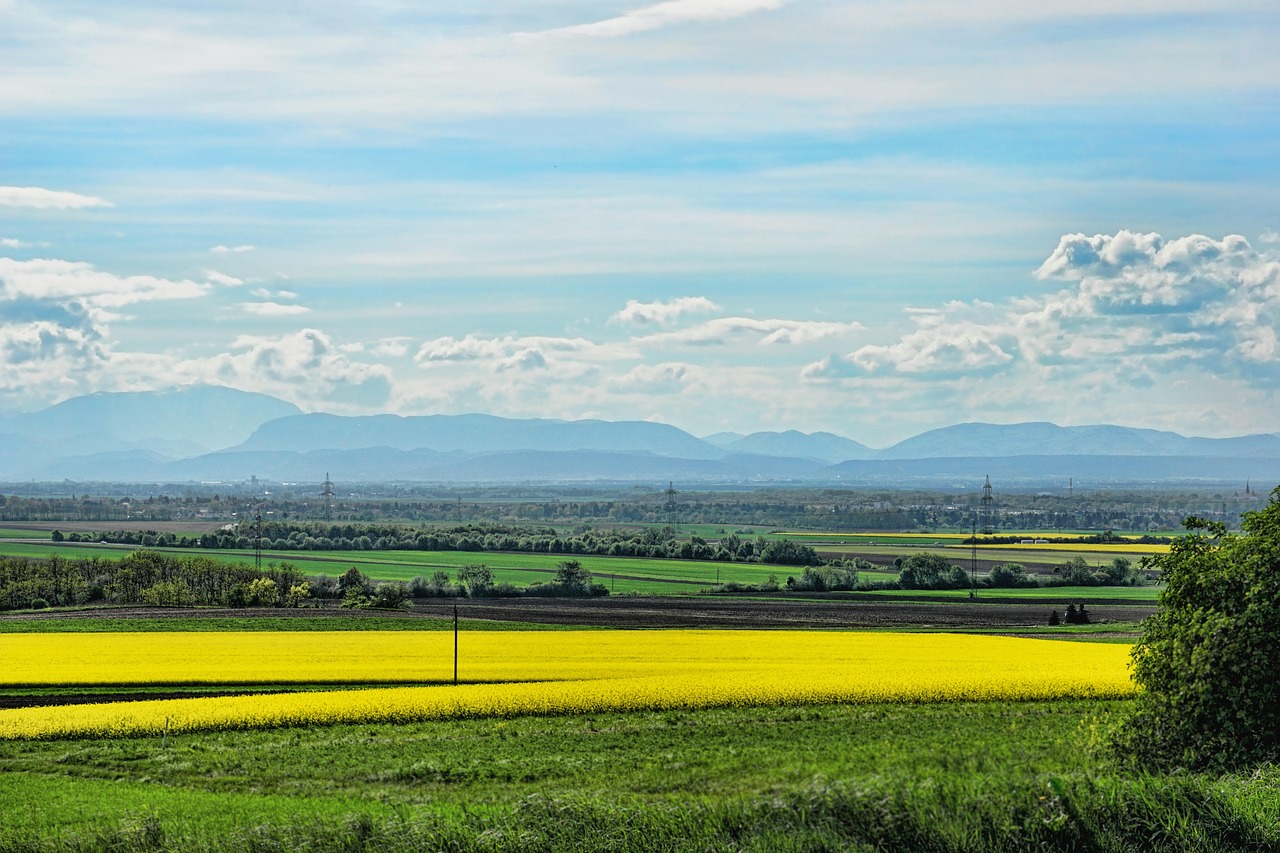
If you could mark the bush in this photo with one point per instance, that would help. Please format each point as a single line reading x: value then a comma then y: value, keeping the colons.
x: 1207, y: 661
x: 477, y: 580
x: 389, y: 596
x: 263, y: 591
x: 931, y: 571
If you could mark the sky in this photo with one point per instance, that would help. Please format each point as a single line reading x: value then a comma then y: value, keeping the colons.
x: 863, y: 217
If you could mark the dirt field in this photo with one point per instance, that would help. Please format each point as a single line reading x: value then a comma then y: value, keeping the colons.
x: 699, y: 612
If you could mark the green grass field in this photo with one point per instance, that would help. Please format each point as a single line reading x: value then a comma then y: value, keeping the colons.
x: 963, y: 776
x: 21, y: 533
x: 621, y: 575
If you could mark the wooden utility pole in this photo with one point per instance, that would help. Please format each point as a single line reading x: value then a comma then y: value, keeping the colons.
x: 455, y: 644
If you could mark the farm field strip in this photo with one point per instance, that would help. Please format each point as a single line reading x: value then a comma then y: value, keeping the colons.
x: 1120, y: 549
x: 535, y: 673
x: 1049, y: 594
x: 21, y: 533
x: 634, y: 574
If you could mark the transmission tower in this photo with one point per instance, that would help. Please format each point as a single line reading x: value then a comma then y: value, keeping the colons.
x: 986, y: 506
x: 671, y: 494
x: 327, y: 494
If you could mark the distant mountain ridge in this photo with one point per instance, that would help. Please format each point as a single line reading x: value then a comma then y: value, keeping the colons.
x: 166, y: 437
x: 473, y: 434
x: 1046, y: 439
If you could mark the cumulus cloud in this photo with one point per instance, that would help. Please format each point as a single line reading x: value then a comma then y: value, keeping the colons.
x: 303, y: 365
x: 55, y: 316
x: 668, y: 377
x: 43, y: 199
x: 665, y: 14
x: 662, y: 313
x: 273, y: 309
x: 60, y: 281
x: 222, y: 278
x: 475, y: 348
x: 1135, y: 304
x: 397, y: 347
x: 770, y: 332
x: 226, y: 250
x: 11, y: 243
x: 530, y: 358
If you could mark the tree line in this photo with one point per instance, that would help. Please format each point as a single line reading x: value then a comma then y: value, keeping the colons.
x: 156, y: 579
x: 279, y: 535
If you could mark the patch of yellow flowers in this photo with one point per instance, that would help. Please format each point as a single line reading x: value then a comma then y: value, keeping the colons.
x: 520, y: 673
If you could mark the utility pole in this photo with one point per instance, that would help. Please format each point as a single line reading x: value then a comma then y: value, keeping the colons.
x: 455, y: 644
x: 257, y: 542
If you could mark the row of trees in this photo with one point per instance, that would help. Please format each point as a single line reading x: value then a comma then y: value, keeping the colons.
x: 146, y: 577
x: 649, y: 542
x: 164, y: 580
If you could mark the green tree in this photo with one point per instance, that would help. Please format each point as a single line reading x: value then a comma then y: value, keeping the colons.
x: 1207, y: 662
x: 476, y: 579
x: 573, y: 578
x: 925, y: 571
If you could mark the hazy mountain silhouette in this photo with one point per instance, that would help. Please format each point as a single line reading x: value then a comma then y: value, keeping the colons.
x: 165, y: 436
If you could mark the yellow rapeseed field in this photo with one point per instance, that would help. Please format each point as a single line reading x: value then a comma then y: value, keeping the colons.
x: 532, y: 673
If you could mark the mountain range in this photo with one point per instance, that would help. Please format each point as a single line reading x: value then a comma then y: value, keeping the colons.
x: 215, y: 434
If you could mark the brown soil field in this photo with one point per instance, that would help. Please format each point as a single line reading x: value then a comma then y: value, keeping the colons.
x: 833, y: 611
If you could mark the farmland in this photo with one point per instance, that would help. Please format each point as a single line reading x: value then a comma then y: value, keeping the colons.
x: 843, y: 762
x: 639, y: 575
x: 659, y: 716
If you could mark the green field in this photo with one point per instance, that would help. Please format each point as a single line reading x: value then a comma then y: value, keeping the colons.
x: 20, y: 533
x: 621, y: 575
x: 963, y: 776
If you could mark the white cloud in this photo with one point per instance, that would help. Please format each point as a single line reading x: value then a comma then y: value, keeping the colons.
x: 57, y: 281
x: 302, y: 366
x: 665, y: 14
x: 222, y: 278
x: 475, y: 348
x: 263, y: 293
x: 663, y: 313
x: 11, y: 243
x: 1270, y: 235
x: 722, y: 330
x: 224, y: 250
x: 668, y: 377
x: 273, y: 309
x: 530, y: 358
x: 1137, y: 305
x: 43, y: 199
x: 397, y: 347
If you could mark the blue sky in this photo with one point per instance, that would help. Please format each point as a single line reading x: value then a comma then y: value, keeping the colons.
x: 863, y: 217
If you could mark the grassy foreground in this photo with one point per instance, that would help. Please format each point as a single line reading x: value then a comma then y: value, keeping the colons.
x: 957, y: 776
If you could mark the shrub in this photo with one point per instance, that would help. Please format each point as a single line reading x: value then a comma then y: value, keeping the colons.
x: 476, y: 580
x: 1207, y: 661
x: 389, y: 596
x: 263, y: 591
